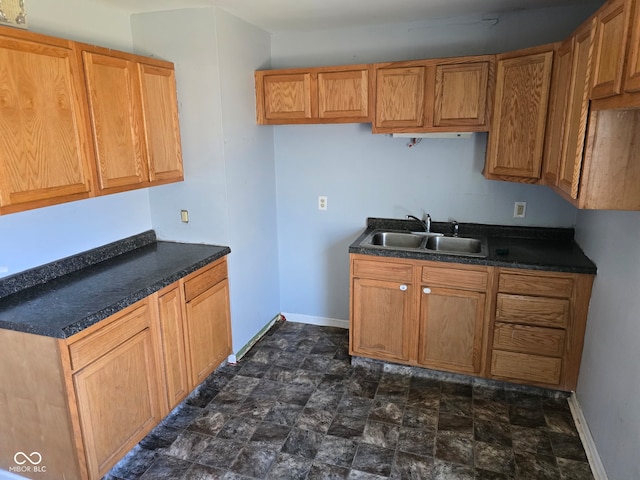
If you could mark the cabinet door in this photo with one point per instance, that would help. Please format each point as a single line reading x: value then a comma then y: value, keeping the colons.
x: 117, y: 401
x: 208, y: 331
x: 451, y: 329
x: 632, y: 76
x: 382, y: 323
x: 343, y: 95
x: 557, y: 111
x: 577, y: 112
x: 161, y: 126
x: 44, y: 141
x: 461, y: 94
x: 520, y: 111
x: 285, y: 97
x: 400, y: 97
x: 173, y: 346
x: 114, y: 102
x: 611, y: 29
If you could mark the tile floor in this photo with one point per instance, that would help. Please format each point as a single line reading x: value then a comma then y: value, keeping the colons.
x: 295, y: 408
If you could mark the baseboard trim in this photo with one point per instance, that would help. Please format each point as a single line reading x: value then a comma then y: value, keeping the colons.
x: 257, y: 337
x: 312, y: 320
x: 597, y: 467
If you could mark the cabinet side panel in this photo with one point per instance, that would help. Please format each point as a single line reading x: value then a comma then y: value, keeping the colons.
x: 34, y: 414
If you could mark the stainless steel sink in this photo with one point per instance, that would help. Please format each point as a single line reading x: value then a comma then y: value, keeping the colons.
x: 457, y: 246
x: 428, y: 243
x: 398, y: 240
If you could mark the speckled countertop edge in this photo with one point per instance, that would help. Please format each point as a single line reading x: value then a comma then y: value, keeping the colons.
x: 496, y: 235
x: 50, y: 271
x: 55, y: 271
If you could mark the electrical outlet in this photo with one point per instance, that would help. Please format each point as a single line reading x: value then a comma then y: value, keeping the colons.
x: 322, y: 202
x: 184, y: 216
x: 519, y: 209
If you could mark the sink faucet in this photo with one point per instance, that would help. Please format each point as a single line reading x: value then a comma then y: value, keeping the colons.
x: 426, y: 223
x: 455, y: 228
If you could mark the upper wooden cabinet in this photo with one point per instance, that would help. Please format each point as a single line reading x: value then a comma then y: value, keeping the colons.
x: 632, y: 74
x: 46, y: 157
x: 554, y: 133
x: 520, y: 111
x: 134, y: 119
x: 434, y: 95
x: 78, y: 121
x: 315, y: 95
x: 611, y: 34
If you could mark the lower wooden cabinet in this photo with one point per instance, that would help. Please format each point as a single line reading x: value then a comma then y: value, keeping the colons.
x: 452, y: 318
x: 84, y: 401
x: 430, y: 314
x: 522, y: 326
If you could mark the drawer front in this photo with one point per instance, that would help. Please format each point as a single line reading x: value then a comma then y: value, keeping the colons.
x: 526, y: 339
x: 454, y: 278
x: 535, y: 285
x: 544, y: 312
x: 397, y: 272
x: 528, y: 368
x: 90, y: 348
x: 202, y: 282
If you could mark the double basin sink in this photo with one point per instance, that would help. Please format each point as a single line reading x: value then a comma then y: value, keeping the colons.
x: 428, y: 242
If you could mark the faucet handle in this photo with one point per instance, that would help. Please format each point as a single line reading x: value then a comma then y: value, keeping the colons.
x: 455, y: 228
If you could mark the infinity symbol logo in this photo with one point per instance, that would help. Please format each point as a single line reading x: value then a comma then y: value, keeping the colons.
x: 35, y: 458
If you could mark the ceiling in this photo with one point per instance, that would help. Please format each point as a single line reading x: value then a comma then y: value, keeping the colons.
x: 295, y: 15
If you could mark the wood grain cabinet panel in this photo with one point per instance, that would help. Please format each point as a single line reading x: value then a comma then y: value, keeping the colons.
x: 208, y: 329
x: 43, y: 123
x: 451, y: 329
x: 528, y: 339
x: 384, y: 325
x: 461, y: 94
x: 118, y: 400
x: 315, y: 95
x: 516, y: 140
x: 577, y: 112
x: 611, y: 34
x: 534, y: 369
x: 400, y: 97
x: 554, y: 133
x: 343, y: 94
x: 172, y: 343
x: 161, y: 125
x: 116, y: 121
x: 632, y: 73
x: 439, y: 95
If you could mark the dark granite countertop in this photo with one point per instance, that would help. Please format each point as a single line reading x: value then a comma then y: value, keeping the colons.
x: 64, y: 297
x: 533, y: 248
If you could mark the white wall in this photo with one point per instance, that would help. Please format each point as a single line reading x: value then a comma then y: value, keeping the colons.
x: 454, y: 36
x: 31, y: 238
x: 609, y: 383
x: 367, y: 175
x: 229, y: 186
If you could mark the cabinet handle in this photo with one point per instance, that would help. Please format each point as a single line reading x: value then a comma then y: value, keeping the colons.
x: 426, y: 290
x: 403, y: 287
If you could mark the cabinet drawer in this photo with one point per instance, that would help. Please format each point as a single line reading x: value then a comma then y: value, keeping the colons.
x: 526, y: 339
x: 397, y: 272
x: 544, y: 312
x: 202, y: 282
x: 536, y: 285
x: 455, y: 278
x: 90, y: 348
x: 529, y: 368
